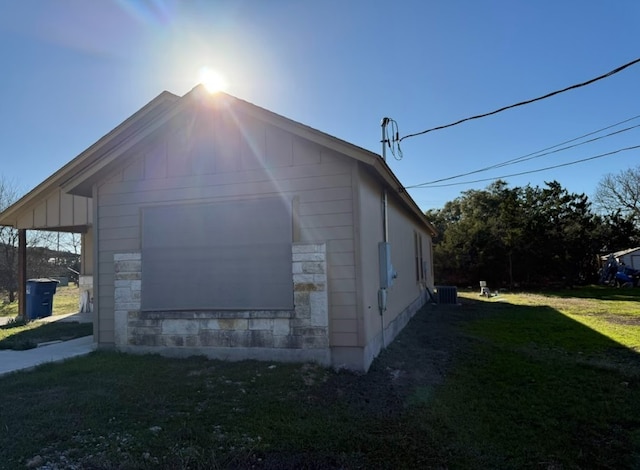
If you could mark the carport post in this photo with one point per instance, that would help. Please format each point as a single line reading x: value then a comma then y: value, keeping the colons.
x: 22, y: 273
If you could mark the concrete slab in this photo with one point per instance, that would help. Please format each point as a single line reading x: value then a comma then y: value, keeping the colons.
x: 11, y: 361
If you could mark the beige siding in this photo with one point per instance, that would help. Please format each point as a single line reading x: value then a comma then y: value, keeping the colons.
x: 244, y: 159
x: 371, y: 234
x: 27, y: 220
x: 53, y: 210
x: 40, y: 215
x: 66, y: 208
x: 57, y: 210
x: 86, y: 255
x: 402, y: 225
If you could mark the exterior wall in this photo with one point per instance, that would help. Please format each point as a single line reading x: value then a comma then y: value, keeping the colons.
x: 86, y: 252
x: 407, y: 295
x: 236, y: 158
x: 631, y: 259
x: 56, y: 210
x: 209, y: 157
x: 297, y: 335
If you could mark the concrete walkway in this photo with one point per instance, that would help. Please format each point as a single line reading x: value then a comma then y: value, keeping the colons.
x: 11, y: 361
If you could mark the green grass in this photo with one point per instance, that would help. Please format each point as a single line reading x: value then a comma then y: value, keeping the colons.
x: 516, y: 381
x: 65, y: 300
x: 557, y: 378
x: 617, y: 320
x: 20, y: 335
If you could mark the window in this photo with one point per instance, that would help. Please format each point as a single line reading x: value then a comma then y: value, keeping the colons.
x: 420, y: 268
x: 231, y: 255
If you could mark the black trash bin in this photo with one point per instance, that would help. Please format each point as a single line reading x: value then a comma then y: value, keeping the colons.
x: 40, y: 294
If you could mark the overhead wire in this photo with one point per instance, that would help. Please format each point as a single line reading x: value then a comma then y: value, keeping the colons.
x: 542, y: 152
x: 522, y: 103
x: 402, y: 189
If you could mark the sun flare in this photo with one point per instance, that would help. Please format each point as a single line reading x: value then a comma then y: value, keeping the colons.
x: 212, y: 80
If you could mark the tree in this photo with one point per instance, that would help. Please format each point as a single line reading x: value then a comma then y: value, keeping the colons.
x: 561, y: 234
x: 508, y: 236
x: 478, y: 235
x: 620, y: 193
x: 617, y: 232
x: 8, y: 244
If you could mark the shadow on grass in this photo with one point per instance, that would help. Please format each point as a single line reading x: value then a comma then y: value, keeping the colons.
x: 21, y: 336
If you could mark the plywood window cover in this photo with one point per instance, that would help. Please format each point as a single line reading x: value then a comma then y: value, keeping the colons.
x: 233, y: 255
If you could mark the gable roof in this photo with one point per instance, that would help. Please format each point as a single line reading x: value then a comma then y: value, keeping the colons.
x: 78, y: 176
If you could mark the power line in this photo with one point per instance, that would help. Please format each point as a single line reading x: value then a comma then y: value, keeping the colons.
x: 542, y: 152
x: 522, y: 103
x: 521, y: 173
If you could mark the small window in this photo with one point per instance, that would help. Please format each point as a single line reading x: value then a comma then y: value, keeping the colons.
x: 420, y: 268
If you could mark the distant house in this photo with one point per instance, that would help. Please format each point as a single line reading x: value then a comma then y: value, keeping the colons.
x: 630, y: 257
x: 212, y: 226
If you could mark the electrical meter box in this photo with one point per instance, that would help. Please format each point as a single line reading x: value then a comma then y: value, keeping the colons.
x: 387, y: 273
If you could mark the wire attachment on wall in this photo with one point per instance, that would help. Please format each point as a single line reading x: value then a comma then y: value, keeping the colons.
x: 392, y: 141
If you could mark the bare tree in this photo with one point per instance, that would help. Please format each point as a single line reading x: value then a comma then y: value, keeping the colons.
x: 8, y: 244
x: 70, y: 242
x: 620, y: 192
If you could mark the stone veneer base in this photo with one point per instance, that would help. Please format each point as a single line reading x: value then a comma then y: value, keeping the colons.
x: 320, y: 356
x: 298, y: 335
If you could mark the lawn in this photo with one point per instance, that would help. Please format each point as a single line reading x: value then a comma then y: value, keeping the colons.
x: 65, y: 300
x: 21, y: 336
x: 515, y: 381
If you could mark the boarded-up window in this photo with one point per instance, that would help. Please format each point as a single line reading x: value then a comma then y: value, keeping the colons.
x: 231, y: 255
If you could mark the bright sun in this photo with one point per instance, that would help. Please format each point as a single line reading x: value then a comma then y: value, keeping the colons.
x: 212, y: 80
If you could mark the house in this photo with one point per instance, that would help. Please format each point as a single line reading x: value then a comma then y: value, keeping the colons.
x: 629, y: 257
x: 212, y: 226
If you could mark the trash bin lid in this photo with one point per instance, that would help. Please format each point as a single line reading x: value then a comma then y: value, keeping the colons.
x: 43, y: 279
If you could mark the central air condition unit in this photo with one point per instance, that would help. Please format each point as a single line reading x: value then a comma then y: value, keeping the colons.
x: 447, y: 294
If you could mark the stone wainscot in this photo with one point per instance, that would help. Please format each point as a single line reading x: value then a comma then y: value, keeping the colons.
x: 297, y: 335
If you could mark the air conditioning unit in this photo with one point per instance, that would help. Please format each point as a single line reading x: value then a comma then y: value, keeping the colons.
x: 447, y: 294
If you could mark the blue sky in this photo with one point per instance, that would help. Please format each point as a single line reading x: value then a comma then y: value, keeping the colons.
x: 73, y: 69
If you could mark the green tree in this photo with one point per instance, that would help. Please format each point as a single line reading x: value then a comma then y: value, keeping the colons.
x: 617, y: 232
x: 510, y: 236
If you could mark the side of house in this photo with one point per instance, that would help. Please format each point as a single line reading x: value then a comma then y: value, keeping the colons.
x: 216, y: 210
x: 630, y: 257
x: 212, y: 226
